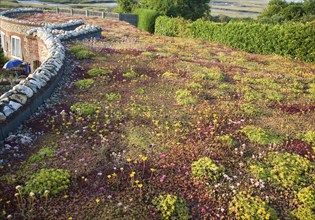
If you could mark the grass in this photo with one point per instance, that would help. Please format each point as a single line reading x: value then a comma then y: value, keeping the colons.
x: 135, y: 135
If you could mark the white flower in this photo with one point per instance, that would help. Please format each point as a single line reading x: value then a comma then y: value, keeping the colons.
x: 32, y: 194
x: 18, y: 187
x: 119, y: 204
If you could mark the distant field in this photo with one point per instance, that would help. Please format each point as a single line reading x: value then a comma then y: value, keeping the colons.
x: 232, y: 8
x: 238, y: 8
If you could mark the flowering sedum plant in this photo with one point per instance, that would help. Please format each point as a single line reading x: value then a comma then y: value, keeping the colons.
x: 171, y: 207
x: 206, y: 168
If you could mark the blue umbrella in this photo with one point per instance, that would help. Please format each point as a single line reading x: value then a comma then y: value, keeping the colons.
x: 12, y: 63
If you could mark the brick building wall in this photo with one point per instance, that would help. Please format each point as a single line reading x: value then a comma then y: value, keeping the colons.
x: 29, y: 45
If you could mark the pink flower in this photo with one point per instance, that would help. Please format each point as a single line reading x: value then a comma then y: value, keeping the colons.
x: 203, y: 210
x: 162, y: 178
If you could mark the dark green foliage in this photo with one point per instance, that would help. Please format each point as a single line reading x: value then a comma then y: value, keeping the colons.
x: 172, y: 26
x: 162, y: 6
x: 189, y: 9
x: 3, y: 59
x: 295, y: 40
x: 146, y: 20
x: 126, y: 6
x: 292, y: 12
x: 309, y: 6
x: 281, y: 11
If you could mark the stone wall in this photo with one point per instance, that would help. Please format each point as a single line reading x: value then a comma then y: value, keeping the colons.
x: 19, y: 103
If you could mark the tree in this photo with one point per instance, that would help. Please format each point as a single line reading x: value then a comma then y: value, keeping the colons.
x: 126, y: 6
x: 292, y: 12
x: 281, y: 3
x: 309, y: 7
x: 189, y: 9
x: 161, y: 6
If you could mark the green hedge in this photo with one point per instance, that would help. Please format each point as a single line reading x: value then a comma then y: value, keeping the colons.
x: 146, y: 19
x: 173, y: 27
x: 295, y: 40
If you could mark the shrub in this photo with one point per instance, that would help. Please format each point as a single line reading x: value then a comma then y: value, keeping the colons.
x: 84, y: 83
x: 206, y: 168
x: 293, y: 40
x: 184, y: 97
x: 245, y: 206
x: 98, y: 72
x: 53, y: 180
x: 171, y: 207
x: 285, y: 170
x: 146, y: 19
x: 185, y: 8
x: 261, y: 136
x: 3, y: 58
x: 126, y: 6
x: 83, y: 108
x: 174, y: 27
x: 42, y: 154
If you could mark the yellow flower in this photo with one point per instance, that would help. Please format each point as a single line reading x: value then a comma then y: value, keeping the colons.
x: 140, y: 185
x: 144, y: 158
x: 97, y: 200
x: 65, y: 196
x: 137, y: 181
x: 152, y: 169
x: 70, y: 218
x: 109, y: 176
x: 128, y: 159
x: 121, y: 168
x: 132, y: 174
x: 114, y: 174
